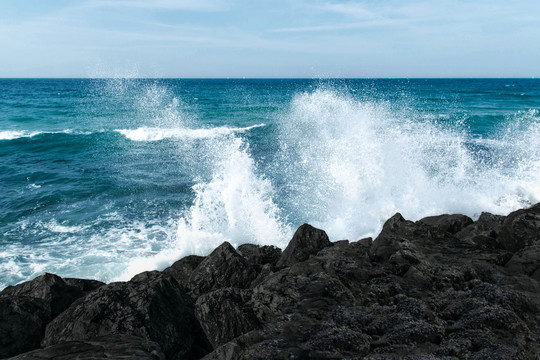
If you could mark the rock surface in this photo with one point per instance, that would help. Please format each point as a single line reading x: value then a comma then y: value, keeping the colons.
x: 152, y: 306
x: 443, y: 287
x: 116, y: 347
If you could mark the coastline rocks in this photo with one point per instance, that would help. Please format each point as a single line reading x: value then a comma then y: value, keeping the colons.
x: 226, y: 314
x: 521, y: 228
x: 151, y: 305
x: 448, y: 223
x: 182, y: 269
x: 224, y: 267
x: 260, y: 255
x: 22, y: 323
x: 116, y: 347
x: 57, y: 292
x: 443, y: 287
x: 306, y: 241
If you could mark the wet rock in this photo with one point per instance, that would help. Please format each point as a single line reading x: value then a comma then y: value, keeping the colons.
x: 521, y: 228
x: 152, y: 306
x: 448, y: 223
x: 52, y: 288
x: 306, y: 241
x: 526, y: 261
x: 85, y: 285
x: 260, y: 255
x: 224, y: 267
x: 396, y: 234
x: 484, y: 230
x: 105, y: 347
x: 22, y: 324
x: 182, y: 269
x: 226, y: 314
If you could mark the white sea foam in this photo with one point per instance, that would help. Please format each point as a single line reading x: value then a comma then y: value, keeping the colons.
x: 349, y: 165
x: 17, y: 134
x: 11, y: 134
x: 235, y: 205
x: 156, y: 134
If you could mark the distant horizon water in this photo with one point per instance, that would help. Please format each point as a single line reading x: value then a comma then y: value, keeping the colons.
x: 107, y: 177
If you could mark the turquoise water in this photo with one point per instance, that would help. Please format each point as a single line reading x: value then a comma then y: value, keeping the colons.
x: 107, y: 178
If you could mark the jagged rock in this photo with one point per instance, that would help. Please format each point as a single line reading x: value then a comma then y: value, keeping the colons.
x: 306, y: 241
x: 22, y: 323
x: 396, y: 235
x: 85, y: 285
x: 224, y: 267
x: 182, y: 269
x: 260, y: 255
x: 484, y: 230
x: 58, y: 292
x: 526, y: 261
x: 421, y: 290
x: 521, y: 228
x: 152, y: 306
x: 294, y: 289
x: 226, y: 314
x: 448, y: 223
x: 113, y: 346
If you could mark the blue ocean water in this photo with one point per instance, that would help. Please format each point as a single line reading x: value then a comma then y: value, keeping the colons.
x: 105, y: 178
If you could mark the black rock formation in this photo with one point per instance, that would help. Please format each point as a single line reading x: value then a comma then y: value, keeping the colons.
x: 443, y: 287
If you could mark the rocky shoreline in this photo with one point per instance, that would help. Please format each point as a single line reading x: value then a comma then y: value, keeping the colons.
x: 443, y: 287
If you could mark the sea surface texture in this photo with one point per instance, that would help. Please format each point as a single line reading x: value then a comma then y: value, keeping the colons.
x: 107, y: 178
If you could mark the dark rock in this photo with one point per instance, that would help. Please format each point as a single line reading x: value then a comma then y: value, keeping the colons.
x: 448, y: 223
x: 224, y: 267
x: 260, y: 255
x: 85, y: 285
x: 53, y: 289
x: 113, y: 346
x: 526, y: 261
x: 182, y: 269
x: 22, y: 324
x: 226, y: 314
x: 306, y: 241
x: 152, y: 306
x: 487, y: 226
x: 396, y: 235
x: 521, y: 228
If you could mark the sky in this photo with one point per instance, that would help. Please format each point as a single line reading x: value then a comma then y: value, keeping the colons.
x: 269, y: 39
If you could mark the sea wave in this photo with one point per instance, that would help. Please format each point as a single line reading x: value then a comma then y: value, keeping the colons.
x: 156, y: 133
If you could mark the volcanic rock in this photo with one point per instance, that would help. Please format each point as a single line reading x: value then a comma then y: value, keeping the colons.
x: 22, y: 323
x: 182, y: 269
x: 226, y: 314
x: 448, y: 223
x: 224, y: 267
x: 152, y: 306
x: 260, y: 255
x: 306, y: 241
x: 115, y: 346
x: 58, y: 293
x: 521, y: 228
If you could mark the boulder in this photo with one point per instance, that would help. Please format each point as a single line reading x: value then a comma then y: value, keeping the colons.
x: 521, y: 228
x: 306, y: 241
x: 182, y: 269
x: 260, y: 255
x: 22, y: 324
x: 226, y: 314
x: 115, y: 346
x: 59, y: 293
x: 152, y: 306
x: 224, y: 267
x: 526, y: 261
x: 448, y: 223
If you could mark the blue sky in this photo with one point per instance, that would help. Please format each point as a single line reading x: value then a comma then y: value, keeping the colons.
x: 274, y: 38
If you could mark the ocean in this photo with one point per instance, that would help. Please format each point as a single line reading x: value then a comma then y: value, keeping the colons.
x: 106, y: 178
